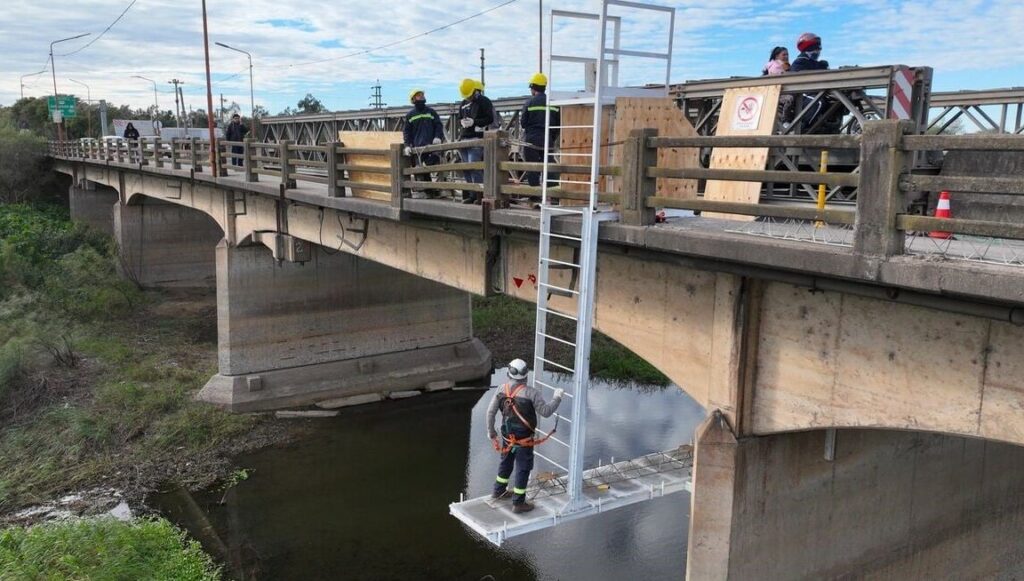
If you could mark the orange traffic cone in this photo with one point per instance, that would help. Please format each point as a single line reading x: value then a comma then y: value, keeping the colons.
x: 942, y: 211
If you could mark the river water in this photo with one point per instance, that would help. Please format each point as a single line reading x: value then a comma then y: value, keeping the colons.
x: 366, y: 496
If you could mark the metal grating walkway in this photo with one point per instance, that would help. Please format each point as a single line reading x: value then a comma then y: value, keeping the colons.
x: 605, y: 488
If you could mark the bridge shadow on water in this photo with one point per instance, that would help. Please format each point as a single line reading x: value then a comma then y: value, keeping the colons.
x: 365, y: 496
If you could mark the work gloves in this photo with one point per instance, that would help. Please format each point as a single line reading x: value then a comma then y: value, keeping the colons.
x: 436, y: 141
x: 559, y: 393
x: 466, y: 122
x: 407, y: 151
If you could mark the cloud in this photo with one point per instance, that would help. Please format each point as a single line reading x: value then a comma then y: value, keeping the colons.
x: 162, y: 39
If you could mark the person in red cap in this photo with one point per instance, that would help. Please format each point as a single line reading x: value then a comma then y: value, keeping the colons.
x: 809, y: 45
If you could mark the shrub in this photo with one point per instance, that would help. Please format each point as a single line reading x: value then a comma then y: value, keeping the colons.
x: 85, y: 286
x: 24, y: 167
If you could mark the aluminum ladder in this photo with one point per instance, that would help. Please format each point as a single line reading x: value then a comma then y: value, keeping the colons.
x: 577, y: 226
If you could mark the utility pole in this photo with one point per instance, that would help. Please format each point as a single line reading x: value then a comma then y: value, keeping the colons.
x: 209, y: 96
x: 222, y: 111
x: 88, y: 103
x: 178, y: 113
x: 377, y: 102
x: 482, y: 67
x: 103, y: 118
x: 53, y: 67
x: 181, y: 94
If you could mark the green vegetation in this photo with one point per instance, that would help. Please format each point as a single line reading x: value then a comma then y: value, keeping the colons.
x: 96, y: 380
x: 507, y: 325
x: 103, y: 549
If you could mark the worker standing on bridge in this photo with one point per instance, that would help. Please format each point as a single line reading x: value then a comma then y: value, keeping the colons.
x: 236, y: 132
x: 519, y: 404
x: 531, y: 119
x: 476, y: 114
x: 422, y: 127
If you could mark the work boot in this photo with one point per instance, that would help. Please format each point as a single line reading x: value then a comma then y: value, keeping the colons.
x: 522, y: 507
x: 501, y: 495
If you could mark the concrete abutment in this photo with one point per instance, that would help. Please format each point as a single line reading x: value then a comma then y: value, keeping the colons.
x: 296, y: 333
x: 93, y: 205
x: 890, y: 505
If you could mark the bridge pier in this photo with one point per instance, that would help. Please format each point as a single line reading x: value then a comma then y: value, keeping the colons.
x: 93, y: 204
x: 166, y: 245
x: 293, y: 334
x: 891, y: 504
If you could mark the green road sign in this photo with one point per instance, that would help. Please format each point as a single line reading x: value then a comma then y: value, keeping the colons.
x: 65, y: 104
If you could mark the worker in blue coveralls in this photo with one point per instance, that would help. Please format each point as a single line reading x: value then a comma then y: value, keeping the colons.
x: 519, y: 405
x: 422, y: 127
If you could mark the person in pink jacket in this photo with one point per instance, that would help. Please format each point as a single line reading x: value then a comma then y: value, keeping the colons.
x: 778, y: 62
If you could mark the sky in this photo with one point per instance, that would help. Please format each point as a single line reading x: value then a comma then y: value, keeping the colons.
x: 324, y: 48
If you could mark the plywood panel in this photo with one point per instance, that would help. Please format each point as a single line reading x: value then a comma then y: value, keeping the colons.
x: 579, y: 141
x: 369, y: 140
x: 730, y: 123
x: 665, y: 116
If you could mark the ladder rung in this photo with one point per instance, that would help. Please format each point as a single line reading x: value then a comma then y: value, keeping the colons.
x: 562, y: 236
x: 546, y: 459
x: 563, y: 209
x: 559, y: 289
x: 571, y: 127
x: 560, y: 314
x: 552, y: 438
x: 563, y: 418
x: 560, y: 340
x: 571, y: 182
x: 551, y: 387
x: 559, y: 365
x: 564, y: 154
x: 553, y: 261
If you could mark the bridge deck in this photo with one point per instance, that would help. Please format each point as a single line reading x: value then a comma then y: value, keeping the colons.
x: 605, y: 488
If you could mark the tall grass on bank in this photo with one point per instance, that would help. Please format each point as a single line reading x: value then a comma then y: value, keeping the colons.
x: 103, y: 549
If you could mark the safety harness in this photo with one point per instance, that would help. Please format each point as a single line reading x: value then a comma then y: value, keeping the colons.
x: 511, y: 441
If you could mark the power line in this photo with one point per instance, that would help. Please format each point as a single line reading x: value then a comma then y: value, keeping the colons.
x: 105, y: 30
x: 397, y: 42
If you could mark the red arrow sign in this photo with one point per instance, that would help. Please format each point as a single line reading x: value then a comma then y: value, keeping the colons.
x: 518, y: 281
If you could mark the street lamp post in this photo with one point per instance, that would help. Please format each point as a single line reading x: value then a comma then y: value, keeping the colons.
x: 53, y: 67
x: 252, y: 94
x: 88, y: 100
x: 23, y: 81
x: 156, y: 100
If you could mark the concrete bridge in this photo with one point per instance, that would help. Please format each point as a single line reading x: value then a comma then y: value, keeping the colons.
x: 866, y: 403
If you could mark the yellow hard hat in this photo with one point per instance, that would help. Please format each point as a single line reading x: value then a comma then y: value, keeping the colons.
x: 413, y: 92
x: 539, y: 79
x: 467, y: 86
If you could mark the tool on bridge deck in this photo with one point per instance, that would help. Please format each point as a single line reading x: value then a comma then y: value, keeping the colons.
x: 566, y: 285
x: 942, y: 211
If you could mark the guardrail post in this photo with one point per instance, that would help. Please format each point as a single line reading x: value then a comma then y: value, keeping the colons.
x: 222, y: 158
x: 879, y: 198
x: 158, y: 152
x: 331, y: 158
x: 175, y: 150
x: 287, y: 182
x: 140, y: 146
x: 636, y: 185
x: 397, y: 162
x: 248, y: 163
x: 194, y: 152
x: 495, y: 152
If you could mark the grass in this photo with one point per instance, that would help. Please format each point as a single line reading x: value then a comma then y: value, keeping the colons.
x: 507, y: 326
x: 96, y: 378
x: 105, y: 549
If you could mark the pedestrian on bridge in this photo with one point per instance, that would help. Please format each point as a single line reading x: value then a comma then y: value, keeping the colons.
x: 236, y: 132
x: 422, y: 127
x: 519, y: 405
x: 532, y: 120
x: 476, y: 114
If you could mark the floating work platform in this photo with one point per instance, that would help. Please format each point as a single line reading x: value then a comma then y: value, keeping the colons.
x: 604, y: 488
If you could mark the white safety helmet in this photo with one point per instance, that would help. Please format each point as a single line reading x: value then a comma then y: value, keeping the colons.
x: 517, y: 369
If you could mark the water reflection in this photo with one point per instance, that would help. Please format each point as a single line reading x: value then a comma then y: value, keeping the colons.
x: 366, y: 497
